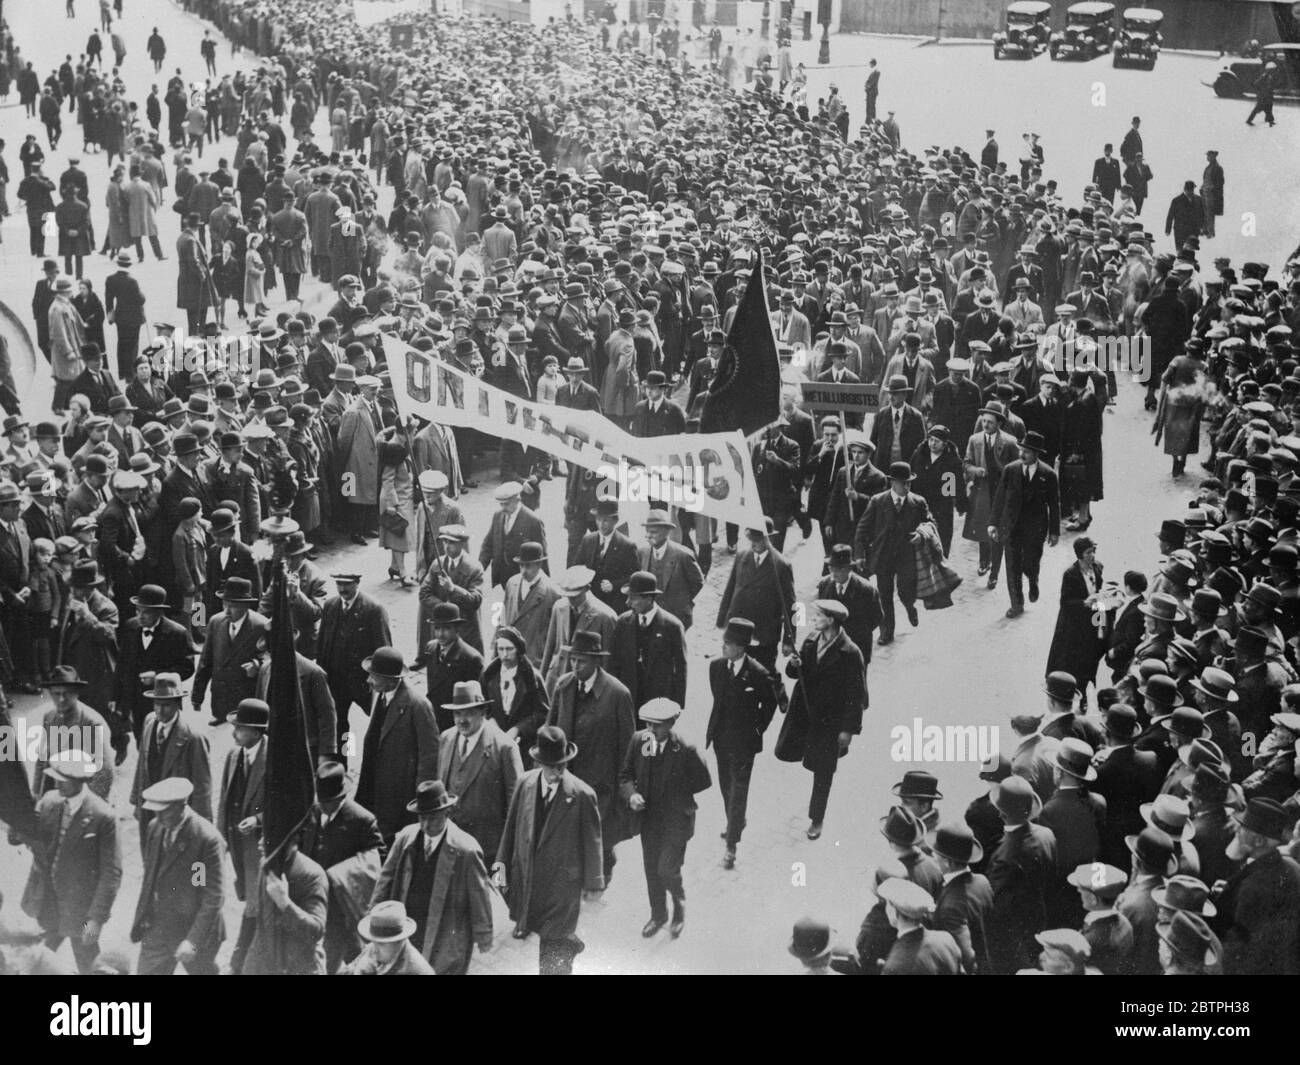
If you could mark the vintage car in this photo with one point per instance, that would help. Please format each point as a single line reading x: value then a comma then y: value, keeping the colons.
x: 1089, y: 32
x: 1029, y: 25
x: 1138, y: 41
x: 1237, y: 79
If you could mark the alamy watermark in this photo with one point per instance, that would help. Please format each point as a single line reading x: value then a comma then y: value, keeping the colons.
x: 919, y: 742
x: 1109, y: 354
x: 679, y: 486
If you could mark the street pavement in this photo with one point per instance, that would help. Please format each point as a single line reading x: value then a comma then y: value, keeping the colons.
x: 966, y: 665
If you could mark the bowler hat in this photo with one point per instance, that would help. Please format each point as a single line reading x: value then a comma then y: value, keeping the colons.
x: 739, y: 631
x: 918, y: 784
x: 898, y: 383
x: 641, y: 583
x: 957, y: 843
x: 237, y: 590
x: 445, y: 614
x: 1074, y: 757
x: 1154, y: 849
x: 551, y: 747
x: 530, y: 551
x: 385, y: 662
x: 431, y: 797
x: 251, y: 713
x: 1015, y: 799
x: 901, y: 827
x: 901, y: 471
x: 150, y: 597
x: 63, y: 677
x: 811, y: 939
x: 1061, y: 686
x: 1187, y: 724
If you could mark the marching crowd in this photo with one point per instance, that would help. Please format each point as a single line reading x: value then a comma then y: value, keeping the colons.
x: 587, y: 245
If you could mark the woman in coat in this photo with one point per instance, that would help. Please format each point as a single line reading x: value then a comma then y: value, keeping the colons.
x: 519, y: 706
x: 1079, y: 642
x: 396, y: 492
x: 146, y: 393
x: 1182, y: 396
x: 305, y: 453
x: 254, y: 275
x: 1081, y: 483
x: 825, y: 710
x: 118, y: 235
x: 91, y: 309
x: 940, y: 480
x: 620, y: 389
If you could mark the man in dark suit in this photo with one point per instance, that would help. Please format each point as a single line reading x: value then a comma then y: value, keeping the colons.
x: 965, y: 899
x: 1259, y: 904
x: 454, y: 577
x: 178, y: 916
x: 778, y: 479
x: 1127, y: 626
x: 149, y: 644
x: 550, y: 854
x: 1020, y: 873
x: 1126, y: 778
x: 649, y: 645
x: 71, y: 891
x: 1045, y: 415
x: 576, y: 393
x: 1106, y: 174
x: 124, y: 304
x: 610, y: 554
x: 857, y: 593
x: 318, y: 710
x: 228, y: 557
x: 660, y: 778
x: 230, y: 478
x: 344, y: 840
x: 170, y: 748
x: 242, y: 797
x: 761, y: 588
x: 857, y: 480
x: 1186, y: 215
x: 182, y: 482
x: 121, y: 544
x: 900, y: 428
x: 401, y: 743
x: 1026, y: 511
x: 352, y: 627
x: 1077, y: 818
x: 232, y: 652
x: 883, y: 544
x: 823, y: 467
x: 512, y: 526
x: 675, y: 568
x: 43, y: 515
x: 656, y: 415
x: 744, y: 702
x: 451, y: 660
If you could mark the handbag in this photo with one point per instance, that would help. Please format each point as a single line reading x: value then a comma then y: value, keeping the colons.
x: 393, y: 522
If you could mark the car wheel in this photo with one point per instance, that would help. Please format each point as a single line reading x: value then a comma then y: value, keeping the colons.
x: 997, y: 51
x: 1116, y: 62
x: 1227, y: 87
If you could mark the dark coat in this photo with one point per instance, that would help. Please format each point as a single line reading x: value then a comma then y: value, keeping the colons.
x: 483, y: 785
x: 601, y: 725
x: 1020, y: 873
x: 882, y: 540
x: 1259, y: 920
x: 962, y: 910
x: 863, y: 601
x: 763, y: 594
x: 240, y: 564
x: 445, y: 670
x: 345, y: 641
x: 176, y: 905
x: 500, y: 550
x: 290, y: 941
x: 221, y: 663
x: 923, y: 952
x: 882, y: 434
x: 548, y: 866
x: 652, y: 664
x: 1077, y: 643
x: 617, y: 564
x: 1028, y: 512
x: 669, y: 420
x: 85, y: 866
x: 743, y: 706
x: 828, y: 699
x: 406, y: 753
x: 842, y: 514
x: 680, y: 579
x: 669, y: 783
x: 170, y: 651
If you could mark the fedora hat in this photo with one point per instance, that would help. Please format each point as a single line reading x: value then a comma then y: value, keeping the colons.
x: 1185, y: 893
x: 466, y: 695
x: 1188, y: 934
x: 918, y: 784
x: 331, y: 782
x: 1074, y: 757
x: 1034, y: 441
x: 901, y: 827
x: 1171, y: 815
x: 957, y: 843
x: 387, y: 923
x: 251, y: 713
x: 1163, y: 607
x: 552, y: 747
x: 431, y: 797
x: 1267, y: 818
x: 657, y: 519
x: 586, y: 642
x: 150, y: 597
x: 167, y: 686
x: 237, y: 590
x: 1015, y: 799
x: 385, y: 662
x: 85, y: 574
x: 995, y: 408
x: 1155, y: 849
x: 739, y: 631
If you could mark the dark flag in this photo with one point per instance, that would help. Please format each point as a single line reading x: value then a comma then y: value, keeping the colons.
x: 745, y: 392
x: 290, y: 775
x: 17, y: 807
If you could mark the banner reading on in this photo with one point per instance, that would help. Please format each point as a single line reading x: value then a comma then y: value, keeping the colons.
x: 708, y: 473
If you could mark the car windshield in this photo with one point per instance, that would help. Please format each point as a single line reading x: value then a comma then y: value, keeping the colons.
x: 1140, y: 25
x: 1021, y: 18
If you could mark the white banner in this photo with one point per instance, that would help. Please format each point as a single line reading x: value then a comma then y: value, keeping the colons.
x: 369, y: 12
x: 710, y: 474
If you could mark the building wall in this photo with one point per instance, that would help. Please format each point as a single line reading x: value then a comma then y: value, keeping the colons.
x: 1209, y: 25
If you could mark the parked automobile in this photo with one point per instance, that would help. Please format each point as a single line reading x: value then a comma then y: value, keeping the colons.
x: 1138, y: 41
x: 1029, y: 25
x: 1089, y: 32
x: 1237, y: 79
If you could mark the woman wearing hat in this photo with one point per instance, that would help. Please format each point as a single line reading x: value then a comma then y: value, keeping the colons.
x: 1079, y: 640
x: 396, y: 491
x: 825, y: 711
x: 940, y: 480
x: 514, y: 687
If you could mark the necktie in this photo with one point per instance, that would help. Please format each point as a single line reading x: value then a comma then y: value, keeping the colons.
x: 238, y: 779
x: 464, y: 748
x: 146, y: 637
x: 234, y: 631
x: 65, y: 819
